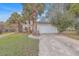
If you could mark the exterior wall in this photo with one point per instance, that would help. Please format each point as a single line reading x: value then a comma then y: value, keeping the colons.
x: 26, y: 26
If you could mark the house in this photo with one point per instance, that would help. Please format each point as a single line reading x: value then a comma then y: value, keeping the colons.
x: 42, y: 28
x: 26, y: 25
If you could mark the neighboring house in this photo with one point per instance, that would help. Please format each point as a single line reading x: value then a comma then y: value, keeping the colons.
x: 14, y: 27
x: 11, y: 28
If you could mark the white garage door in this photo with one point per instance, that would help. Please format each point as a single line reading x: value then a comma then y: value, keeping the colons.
x: 46, y: 28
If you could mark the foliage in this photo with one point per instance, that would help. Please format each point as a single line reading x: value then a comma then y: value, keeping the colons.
x: 74, y: 9
x: 62, y: 21
x: 29, y: 8
x: 30, y: 12
x: 15, y: 18
x: 77, y: 27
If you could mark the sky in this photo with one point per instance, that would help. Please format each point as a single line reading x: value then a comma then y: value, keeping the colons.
x: 43, y: 16
x: 6, y: 9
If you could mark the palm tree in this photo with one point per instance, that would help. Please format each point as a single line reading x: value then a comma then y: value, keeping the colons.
x: 15, y: 18
x: 30, y: 12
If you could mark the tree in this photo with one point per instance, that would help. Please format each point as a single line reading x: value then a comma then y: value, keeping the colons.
x: 74, y: 9
x: 30, y: 8
x: 30, y: 12
x: 15, y: 18
x: 62, y: 21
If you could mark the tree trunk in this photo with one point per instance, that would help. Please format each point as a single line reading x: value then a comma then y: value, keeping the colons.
x: 34, y: 27
x: 29, y: 30
x: 19, y: 27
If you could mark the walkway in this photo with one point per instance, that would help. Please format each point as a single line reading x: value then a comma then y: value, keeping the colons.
x: 6, y: 34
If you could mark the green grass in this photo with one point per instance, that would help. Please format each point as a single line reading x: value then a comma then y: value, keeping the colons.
x: 18, y: 45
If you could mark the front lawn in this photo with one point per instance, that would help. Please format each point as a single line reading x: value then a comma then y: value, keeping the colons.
x: 18, y: 45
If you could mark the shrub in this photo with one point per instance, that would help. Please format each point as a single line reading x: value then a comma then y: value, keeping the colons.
x: 77, y: 27
x: 62, y: 21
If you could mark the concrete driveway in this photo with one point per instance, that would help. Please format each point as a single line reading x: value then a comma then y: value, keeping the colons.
x: 58, y: 45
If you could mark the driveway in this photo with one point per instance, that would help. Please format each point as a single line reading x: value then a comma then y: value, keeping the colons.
x: 57, y: 45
